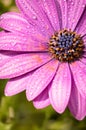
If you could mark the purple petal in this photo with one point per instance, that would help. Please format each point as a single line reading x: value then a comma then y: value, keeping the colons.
x: 34, y: 13
x: 19, y: 42
x: 16, y: 85
x: 13, y: 41
x: 62, y: 5
x: 82, y: 64
x: 79, y: 74
x: 84, y: 39
x: 14, y: 22
x: 83, y: 60
x: 60, y: 89
x: 4, y: 58
x: 81, y: 26
x: 22, y: 64
x: 74, y: 10
x: 77, y: 104
x: 50, y: 7
x: 40, y: 79
x: 42, y: 100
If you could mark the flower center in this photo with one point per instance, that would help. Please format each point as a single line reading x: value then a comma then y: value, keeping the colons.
x: 66, y: 46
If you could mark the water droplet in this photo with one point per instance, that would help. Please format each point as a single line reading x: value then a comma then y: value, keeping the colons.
x: 1, y: 17
x: 72, y: 3
x: 83, y: 5
x: 34, y: 17
x: 0, y: 58
x: 31, y: 93
x: 68, y: 19
x: 13, y: 43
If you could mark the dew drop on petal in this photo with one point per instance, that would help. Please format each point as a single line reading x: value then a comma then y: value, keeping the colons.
x: 34, y: 17
x: 83, y: 5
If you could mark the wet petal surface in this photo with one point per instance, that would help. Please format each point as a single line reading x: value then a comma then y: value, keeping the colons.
x: 77, y: 103
x: 79, y: 74
x: 22, y: 64
x: 33, y: 12
x: 81, y: 26
x: 60, y: 89
x: 42, y: 100
x: 74, y: 11
x: 19, y: 42
x: 40, y: 79
x: 16, y: 85
x: 53, y: 13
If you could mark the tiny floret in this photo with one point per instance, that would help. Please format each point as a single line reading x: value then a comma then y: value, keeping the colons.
x: 66, y: 46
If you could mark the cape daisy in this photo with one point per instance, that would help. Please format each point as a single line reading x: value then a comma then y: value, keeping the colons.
x: 42, y: 51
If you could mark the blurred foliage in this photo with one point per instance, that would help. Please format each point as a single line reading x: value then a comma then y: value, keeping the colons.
x: 16, y: 113
x: 7, y: 5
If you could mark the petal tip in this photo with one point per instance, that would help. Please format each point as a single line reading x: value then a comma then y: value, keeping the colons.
x: 60, y: 111
x: 6, y: 93
x: 37, y: 106
x: 29, y: 96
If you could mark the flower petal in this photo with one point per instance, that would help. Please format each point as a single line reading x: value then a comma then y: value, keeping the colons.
x: 84, y: 39
x: 4, y: 58
x: 62, y: 5
x: 19, y: 42
x: 13, y: 41
x: 82, y: 64
x: 60, y: 89
x: 77, y: 104
x: 79, y: 74
x: 83, y: 60
x: 22, y: 64
x: 42, y: 100
x: 50, y: 7
x: 16, y: 85
x: 33, y: 12
x: 16, y: 22
x: 74, y: 10
x: 81, y: 26
x: 40, y: 79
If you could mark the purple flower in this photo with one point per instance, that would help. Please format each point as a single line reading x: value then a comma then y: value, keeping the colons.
x: 42, y: 51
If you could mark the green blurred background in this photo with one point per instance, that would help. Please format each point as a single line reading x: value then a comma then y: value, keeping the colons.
x: 16, y: 113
